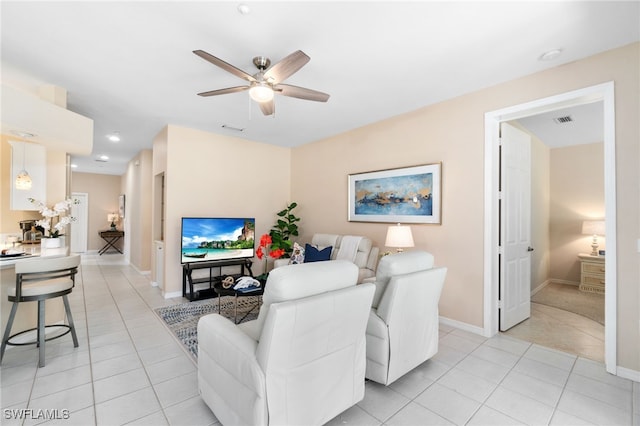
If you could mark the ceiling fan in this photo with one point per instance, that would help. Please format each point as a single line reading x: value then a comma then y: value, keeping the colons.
x: 267, y: 81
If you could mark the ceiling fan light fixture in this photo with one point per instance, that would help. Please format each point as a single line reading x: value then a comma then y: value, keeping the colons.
x: 261, y: 92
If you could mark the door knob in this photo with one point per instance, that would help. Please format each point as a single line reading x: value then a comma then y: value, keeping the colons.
x: 529, y: 248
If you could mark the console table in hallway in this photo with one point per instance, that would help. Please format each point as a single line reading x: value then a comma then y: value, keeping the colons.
x: 110, y: 237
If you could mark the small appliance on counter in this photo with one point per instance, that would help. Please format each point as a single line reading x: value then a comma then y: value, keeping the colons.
x: 30, y: 233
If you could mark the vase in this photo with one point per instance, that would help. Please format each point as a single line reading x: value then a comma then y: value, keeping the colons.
x: 51, y: 242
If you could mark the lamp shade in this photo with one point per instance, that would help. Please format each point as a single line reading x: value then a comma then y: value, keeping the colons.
x: 112, y: 217
x: 593, y: 227
x: 399, y: 236
x: 23, y: 181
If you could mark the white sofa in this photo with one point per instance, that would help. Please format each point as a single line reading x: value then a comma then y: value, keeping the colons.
x: 301, y: 362
x: 366, y: 256
x: 402, y: 331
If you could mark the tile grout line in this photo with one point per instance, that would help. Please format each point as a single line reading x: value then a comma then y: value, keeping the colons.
x: 134, y: 346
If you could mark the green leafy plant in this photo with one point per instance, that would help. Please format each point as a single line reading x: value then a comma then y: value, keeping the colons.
x: 284, y: 229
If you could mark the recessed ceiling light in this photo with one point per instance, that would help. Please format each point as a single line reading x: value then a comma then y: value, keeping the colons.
x: 104, y: 157
x: 74, y: 166
x: 114, y: 137
x: 22, y: 134
x: 550, y: 55
x: 244, y: 9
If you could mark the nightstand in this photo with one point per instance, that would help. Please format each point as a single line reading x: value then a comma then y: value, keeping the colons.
x: 591, y: 273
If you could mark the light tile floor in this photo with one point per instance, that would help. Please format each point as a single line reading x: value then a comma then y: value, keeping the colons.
x: 129, y: 369
x: 562, y: 330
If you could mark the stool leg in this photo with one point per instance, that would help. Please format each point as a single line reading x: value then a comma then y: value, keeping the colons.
x: 41, y: 334
x: 7, y: 331
x: 70, y: 319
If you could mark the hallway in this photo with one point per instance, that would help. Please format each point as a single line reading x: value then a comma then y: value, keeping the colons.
x: 561, y: 330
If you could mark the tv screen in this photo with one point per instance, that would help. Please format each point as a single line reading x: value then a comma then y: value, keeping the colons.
x: 217, y: 238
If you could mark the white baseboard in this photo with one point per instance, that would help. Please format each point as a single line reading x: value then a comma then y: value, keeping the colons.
x: 554, y: 281
x: 173, y: 294
x: 138, y: 270
x: 565, y: 282
x: 463, y: 326
x: 628, y: 373
x: 540, y: 287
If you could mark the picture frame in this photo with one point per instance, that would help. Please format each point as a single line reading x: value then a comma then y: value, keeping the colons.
x: 121, y: 205
x: 403, y: 195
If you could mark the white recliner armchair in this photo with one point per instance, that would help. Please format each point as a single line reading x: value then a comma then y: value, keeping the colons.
x: 402, y: 331
x: 301, y: 362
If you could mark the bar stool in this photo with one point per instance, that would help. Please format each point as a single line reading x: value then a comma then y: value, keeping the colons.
x: 39, y: 280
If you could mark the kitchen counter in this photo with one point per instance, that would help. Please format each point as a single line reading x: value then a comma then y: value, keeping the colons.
x: 33, y: 251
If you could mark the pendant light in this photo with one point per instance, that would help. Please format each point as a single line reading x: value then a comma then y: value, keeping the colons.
x: 23, y: 180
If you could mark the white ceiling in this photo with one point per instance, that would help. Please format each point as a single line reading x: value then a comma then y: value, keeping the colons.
x: 129, y: 65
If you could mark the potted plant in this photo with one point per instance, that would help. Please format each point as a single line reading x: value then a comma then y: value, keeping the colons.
x: 284, y: 229
x: 54, y: 219
x: 266, y: 250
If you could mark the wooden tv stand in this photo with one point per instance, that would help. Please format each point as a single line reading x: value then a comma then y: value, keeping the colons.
x: 187, y: 276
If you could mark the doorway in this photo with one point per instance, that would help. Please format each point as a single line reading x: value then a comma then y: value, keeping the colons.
x: 605, y: 93
x: 567, y: 188
x: 79, y: 228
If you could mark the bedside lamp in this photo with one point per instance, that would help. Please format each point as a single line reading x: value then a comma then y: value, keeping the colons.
x: 113, y: 218
x: 399, y: 236
x: 595, y: 228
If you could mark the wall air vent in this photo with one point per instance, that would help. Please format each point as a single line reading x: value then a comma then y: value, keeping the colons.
x: 563, y: 120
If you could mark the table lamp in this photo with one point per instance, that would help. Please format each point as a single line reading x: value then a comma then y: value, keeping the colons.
x: 113, y: 218
x: 399, y: 236
x: 595, y: 228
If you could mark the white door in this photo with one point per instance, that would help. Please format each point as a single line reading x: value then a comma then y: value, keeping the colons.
x: 79, y: 228
x: 515, y: 227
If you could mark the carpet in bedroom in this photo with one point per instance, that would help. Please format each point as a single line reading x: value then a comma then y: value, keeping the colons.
x: 570, y: 298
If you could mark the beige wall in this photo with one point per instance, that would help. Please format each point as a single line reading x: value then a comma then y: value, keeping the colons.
x: 577, y: 193
x: 138, y: 197
x: 218, y: 176
x: 103, y: 193
x: 453, y: 132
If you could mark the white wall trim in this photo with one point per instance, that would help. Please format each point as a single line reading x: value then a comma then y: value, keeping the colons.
x: 462, y: 326
x: 540, y: 287
x: 602, y: 92
x: 628, y: 373
x: 565, y: 282
x: 173, y: 294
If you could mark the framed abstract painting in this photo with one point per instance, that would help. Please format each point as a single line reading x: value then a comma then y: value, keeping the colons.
x: 404, y: 195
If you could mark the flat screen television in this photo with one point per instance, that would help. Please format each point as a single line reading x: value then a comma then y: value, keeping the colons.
x: 206, y: 239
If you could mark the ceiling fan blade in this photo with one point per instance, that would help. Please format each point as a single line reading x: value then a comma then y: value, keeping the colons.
x: 267, y: 108
x: 224, y: 91
x: 301, y: 93
x: 286, y: 67
x: 224, y: 65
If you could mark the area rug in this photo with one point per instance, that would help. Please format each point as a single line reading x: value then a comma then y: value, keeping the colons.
x: 570, y: 298
x: 182, y: 319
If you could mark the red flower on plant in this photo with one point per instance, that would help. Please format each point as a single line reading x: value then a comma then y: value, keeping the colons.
x: 259, y: 253
x: 265, y: 240
x: 276, y: 253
